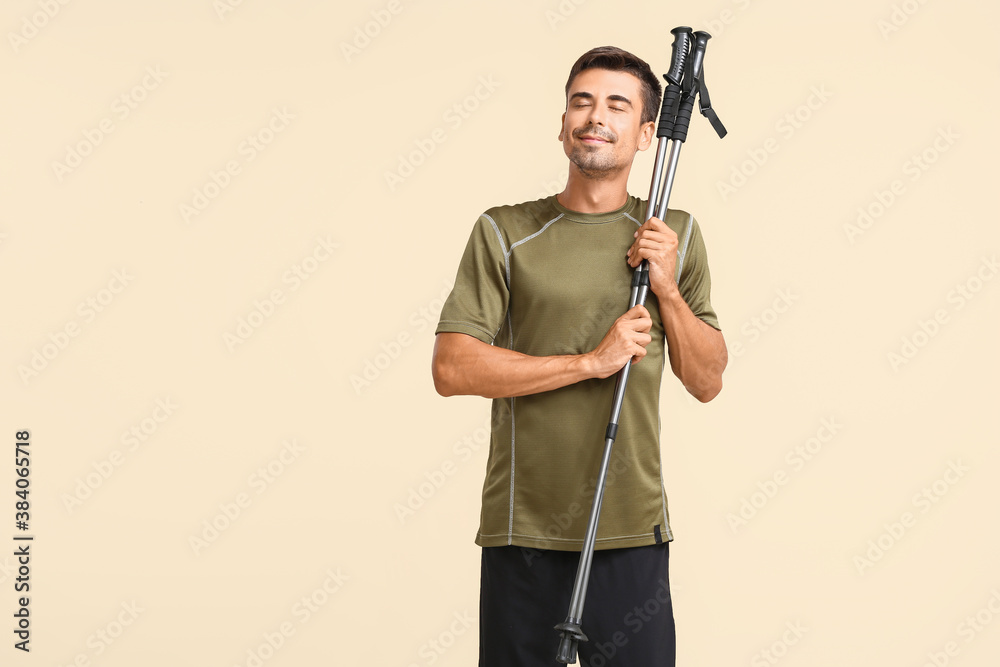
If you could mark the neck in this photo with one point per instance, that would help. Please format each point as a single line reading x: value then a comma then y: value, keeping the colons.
x: 587, y: 194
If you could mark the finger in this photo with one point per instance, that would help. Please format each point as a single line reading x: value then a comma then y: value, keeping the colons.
x: 640, y: 326
x: 660, y: 244
x: 635, y: 259
x: 630, y: 314
x: 654, y: 236
x: 631, y: 258
x: 638, y: 310
x: 647, y: 250
x: 654, y: 224
x: 652, y: 255
x: 659, y: 226
x: 640, y: 322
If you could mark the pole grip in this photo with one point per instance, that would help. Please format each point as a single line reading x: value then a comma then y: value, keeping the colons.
x: 668, y: 114
x: 672, y: 93
x: 692, y: 76
x: 680, y: 47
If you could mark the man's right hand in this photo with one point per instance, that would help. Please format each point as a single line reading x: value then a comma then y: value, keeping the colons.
x: 626, y: 339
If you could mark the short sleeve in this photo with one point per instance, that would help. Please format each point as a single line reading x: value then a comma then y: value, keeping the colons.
x: 695, y: 283
x: 478, y: 302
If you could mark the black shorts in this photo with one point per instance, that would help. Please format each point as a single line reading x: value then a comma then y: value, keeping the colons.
x: 627, y: 615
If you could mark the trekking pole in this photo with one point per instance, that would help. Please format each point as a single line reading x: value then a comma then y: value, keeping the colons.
x: 684, y: 83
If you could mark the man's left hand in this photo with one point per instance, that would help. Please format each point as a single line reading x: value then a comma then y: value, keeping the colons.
x: 656, y: 242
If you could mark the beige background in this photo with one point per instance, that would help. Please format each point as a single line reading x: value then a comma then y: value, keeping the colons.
x: 334, y: 376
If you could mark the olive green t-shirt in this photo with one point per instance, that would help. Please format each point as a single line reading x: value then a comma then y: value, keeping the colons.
x: 543, y: 280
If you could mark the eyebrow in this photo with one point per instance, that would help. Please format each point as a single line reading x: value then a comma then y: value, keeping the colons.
x: 589, y: 96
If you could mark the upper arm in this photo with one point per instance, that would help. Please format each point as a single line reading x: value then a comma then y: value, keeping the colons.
x: 695, y: 282
x: 479, y: 300
x: 451, y: 356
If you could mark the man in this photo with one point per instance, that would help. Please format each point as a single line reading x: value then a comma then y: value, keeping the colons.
x: 534, y: 322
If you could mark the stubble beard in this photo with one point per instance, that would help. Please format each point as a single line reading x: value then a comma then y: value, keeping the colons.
x: 593, y: 164
x: 596, y: 162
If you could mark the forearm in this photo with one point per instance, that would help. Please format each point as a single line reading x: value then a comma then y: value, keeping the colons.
x: 463, y: 365
x: 697, y: 351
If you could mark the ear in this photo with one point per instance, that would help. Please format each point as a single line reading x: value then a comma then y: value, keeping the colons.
x: 562, y: 125
x: 646, y: 135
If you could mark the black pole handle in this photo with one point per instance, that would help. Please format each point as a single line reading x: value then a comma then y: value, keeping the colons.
x: 680, y: 47
x: 690, y: 86
x: 672, y: 94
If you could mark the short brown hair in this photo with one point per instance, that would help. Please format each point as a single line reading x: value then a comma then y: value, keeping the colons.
x: 618, y: 60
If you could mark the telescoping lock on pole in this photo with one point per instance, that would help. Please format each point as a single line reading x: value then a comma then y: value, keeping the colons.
x: 685, y: 82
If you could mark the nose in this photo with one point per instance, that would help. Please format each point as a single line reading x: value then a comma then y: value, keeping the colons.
x: 596, y: 115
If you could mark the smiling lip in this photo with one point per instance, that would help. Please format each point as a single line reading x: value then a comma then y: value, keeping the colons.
x: 594, y: 139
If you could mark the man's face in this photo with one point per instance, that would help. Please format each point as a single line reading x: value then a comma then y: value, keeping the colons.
x: 601, y: 129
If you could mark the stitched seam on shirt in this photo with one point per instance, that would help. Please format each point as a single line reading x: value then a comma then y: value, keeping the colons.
x: 528, y: 238
x: 682, y: 252
x: 506, y: 266
x: 510, y: 327
x: 510, y: 513
x: 503, y: 246
x: 571, y: 539
x: 469, y: 324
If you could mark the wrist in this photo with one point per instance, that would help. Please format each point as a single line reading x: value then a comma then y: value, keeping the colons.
x: 582, y: 365
x: 671, y: 297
